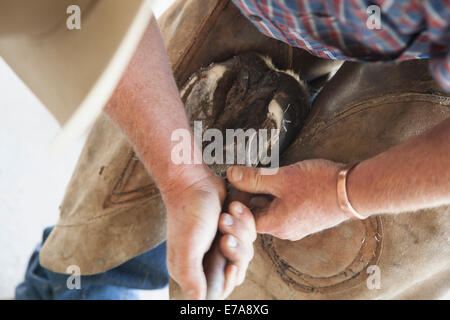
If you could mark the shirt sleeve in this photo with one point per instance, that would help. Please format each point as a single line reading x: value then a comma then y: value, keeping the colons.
x: 440, y: 69
x: 437, y: 14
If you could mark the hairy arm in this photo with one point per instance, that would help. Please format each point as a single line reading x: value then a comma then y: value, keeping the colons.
x: 411, y: 176
x: 147, y: 107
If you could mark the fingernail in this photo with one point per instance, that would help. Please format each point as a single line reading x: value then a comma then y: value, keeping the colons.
x: 236, y: 174
x: 232, y: 242
x: 238, y: 208
x: 227, y: 220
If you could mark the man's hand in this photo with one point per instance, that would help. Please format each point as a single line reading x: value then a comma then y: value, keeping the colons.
x: 193, y: 218
x: 193, y: 214
x: 411, y: 176
x: 236, y: 243
x: 297, y: 201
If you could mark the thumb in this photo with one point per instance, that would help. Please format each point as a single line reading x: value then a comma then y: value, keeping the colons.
x: 268, y: 219
x: 253, y: 180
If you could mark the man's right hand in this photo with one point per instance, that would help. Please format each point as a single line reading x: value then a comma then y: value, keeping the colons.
x: 193, y: 220
x: 193, y: 214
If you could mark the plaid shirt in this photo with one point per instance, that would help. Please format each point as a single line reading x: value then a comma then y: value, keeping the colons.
x: 339, y: 29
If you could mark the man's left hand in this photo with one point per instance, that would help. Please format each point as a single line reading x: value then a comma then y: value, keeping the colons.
x: 296, y: 201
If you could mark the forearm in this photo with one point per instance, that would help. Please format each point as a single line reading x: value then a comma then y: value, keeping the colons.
x: 411, y: 176
x: 147, y: 107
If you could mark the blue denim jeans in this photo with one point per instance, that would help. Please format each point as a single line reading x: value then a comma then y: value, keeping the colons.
x: 145, y: 272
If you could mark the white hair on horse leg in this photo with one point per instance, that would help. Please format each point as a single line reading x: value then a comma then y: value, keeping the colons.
x: 292, y: 73
x: 275, y: 113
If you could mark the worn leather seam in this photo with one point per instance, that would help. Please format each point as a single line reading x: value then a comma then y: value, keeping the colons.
x: 201, y: 34
x: 375, y: 103
x: 107, y: 215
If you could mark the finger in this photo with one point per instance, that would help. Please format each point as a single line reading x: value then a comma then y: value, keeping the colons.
x: 237, y: 252
x: 243, y: 214
x: 243, y: 227
x: 193, y: 283
x: 251, y: 180
x: 187, y: 271
x: 231, y: 273
x: 241, y: 275
x: 214, y: 266
x: 229, y: 224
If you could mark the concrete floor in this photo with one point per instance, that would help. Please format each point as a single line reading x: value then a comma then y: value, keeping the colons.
x: 32, y: 184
